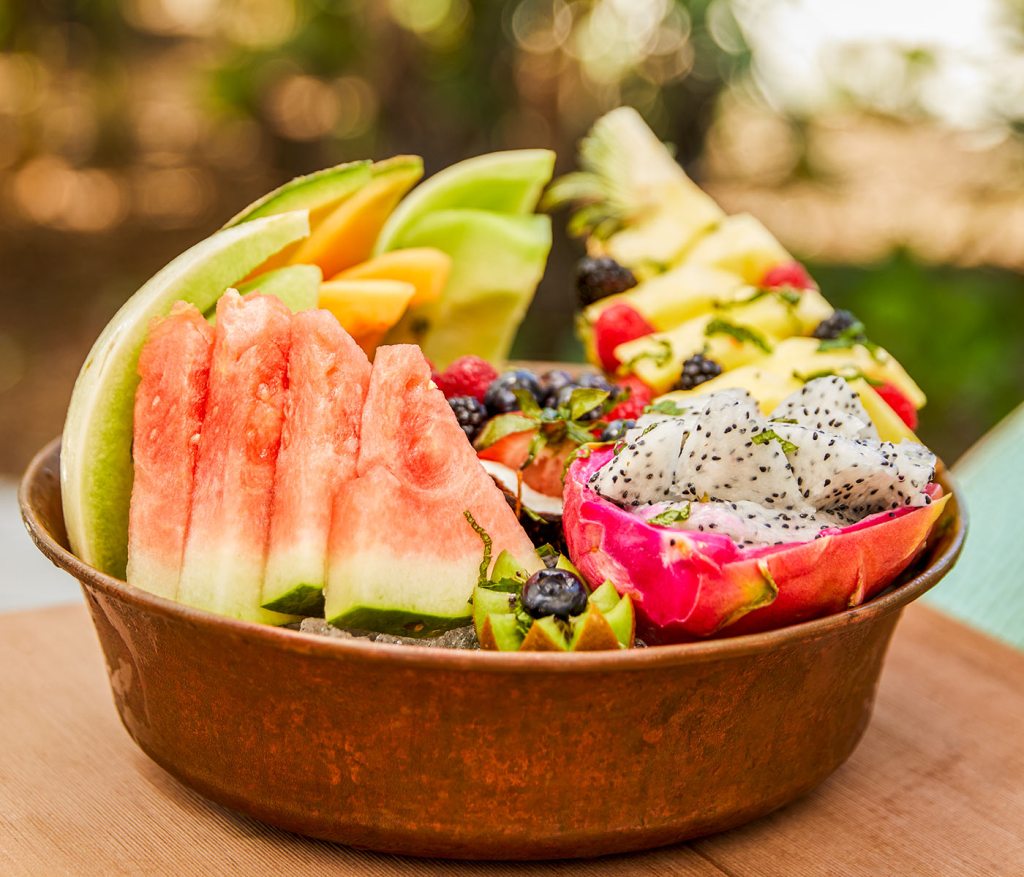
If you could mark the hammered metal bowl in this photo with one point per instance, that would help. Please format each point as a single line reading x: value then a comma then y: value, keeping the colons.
x: 484, y: 755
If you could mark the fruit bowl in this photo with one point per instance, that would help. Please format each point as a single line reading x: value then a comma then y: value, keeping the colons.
x: 485, y: 755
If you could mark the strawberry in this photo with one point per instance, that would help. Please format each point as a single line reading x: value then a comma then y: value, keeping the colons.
x: 639, y: 396
x: 788, y: 274
x: 899, y: 403
x: 617, y: 325
x: 467, y: 376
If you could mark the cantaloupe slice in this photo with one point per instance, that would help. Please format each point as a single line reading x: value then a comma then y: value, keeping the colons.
x: 366, y: 308
x: 426, y: 268
x: 346, y: 236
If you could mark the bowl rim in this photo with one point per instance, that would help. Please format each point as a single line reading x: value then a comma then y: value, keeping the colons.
x: 627, y: 660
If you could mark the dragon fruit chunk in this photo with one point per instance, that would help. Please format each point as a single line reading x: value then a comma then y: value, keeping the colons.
x: 690, y: 584
x: 828, y: 404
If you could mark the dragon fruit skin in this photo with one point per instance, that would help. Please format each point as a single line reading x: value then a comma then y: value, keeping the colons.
x: 689, y: 585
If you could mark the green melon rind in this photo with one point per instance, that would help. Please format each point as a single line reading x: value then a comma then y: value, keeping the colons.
x: 96, y: 463
x: 499, y: 182
x: 309, y: 192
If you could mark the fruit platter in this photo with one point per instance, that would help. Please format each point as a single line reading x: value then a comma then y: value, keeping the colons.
x: 356, y: 574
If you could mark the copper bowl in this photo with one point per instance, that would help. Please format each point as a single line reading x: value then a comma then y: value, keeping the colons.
x: 484, y: 755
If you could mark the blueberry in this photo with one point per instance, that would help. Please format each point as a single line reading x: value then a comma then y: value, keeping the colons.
x: 595, y: 381
x: 554, y: 592
x: 616, y: 430
x: 500, y: 397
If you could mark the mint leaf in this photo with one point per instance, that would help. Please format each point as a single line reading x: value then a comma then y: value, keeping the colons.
x: 671, y: 516
x: 665, y: 406
x: 503, y: 425
x: 740, y: 333
x: 527, y: 403
x: 584, y: 399
x: 770, y: 435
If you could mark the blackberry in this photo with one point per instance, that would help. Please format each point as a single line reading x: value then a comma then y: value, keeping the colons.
x: 696, y: 370
x: 470, y: 413
x: 833, y: 326
x: 500, y: 398
x: 599, y: 278
x: 616, y: 430
x: 554, y: 592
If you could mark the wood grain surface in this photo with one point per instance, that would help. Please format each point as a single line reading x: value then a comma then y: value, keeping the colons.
x: 936, y: 787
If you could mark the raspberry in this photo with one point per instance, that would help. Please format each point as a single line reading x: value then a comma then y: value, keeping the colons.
x: 632, y: 405
x: 617, y: 325
x: 788, y: 274
x: 467, y: 376
x: 899, y: 403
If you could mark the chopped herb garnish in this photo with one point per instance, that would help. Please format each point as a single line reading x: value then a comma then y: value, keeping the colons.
x: 671, y: 516
x: 847, y: 374
x: 770, y: 435
x: 665, y: 406
x: 661, y: 356
x: 740, y: 333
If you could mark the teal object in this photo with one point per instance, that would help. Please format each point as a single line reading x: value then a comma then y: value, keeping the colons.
x: 986, y: 587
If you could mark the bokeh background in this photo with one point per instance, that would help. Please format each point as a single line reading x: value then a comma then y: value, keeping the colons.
x: 882, y: 140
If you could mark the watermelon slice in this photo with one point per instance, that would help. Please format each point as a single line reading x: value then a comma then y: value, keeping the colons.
x: 226, y: 547
x: 328, y: 375
x: 403, y: 556
x: 174, y: 370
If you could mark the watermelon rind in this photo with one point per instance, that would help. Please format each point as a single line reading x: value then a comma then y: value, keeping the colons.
x: 304, y: 599
x: 96, y: 462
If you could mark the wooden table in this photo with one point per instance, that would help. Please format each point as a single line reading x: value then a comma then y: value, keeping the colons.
x: 936, y: 787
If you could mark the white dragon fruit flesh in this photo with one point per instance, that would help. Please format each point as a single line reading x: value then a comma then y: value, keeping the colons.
x: 828, y: 404
x: 817, y: 464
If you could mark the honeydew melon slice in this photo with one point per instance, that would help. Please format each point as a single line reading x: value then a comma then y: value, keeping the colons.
x: 295, y: 285
x: 497, y: 262
x: 96, y: 462
x: 346, y: 236
x: 499, y: 182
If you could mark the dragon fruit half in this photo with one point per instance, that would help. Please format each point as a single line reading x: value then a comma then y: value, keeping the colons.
x: 720, y: 518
